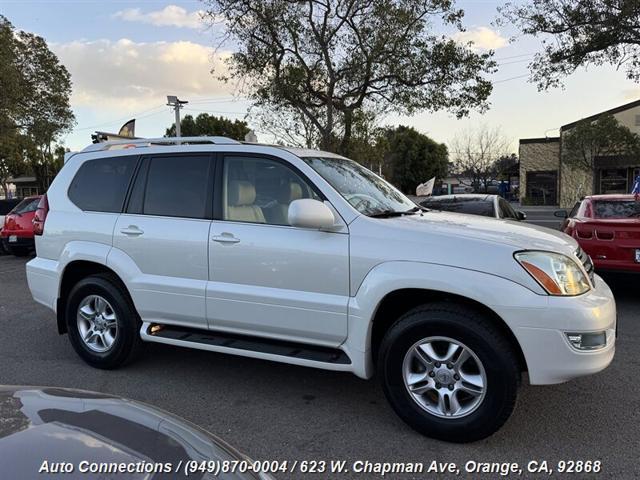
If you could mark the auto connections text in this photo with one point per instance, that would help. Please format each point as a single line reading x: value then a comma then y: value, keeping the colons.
x: 195, y: 468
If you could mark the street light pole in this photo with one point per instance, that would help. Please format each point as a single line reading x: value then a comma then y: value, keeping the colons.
x: 173, y: 101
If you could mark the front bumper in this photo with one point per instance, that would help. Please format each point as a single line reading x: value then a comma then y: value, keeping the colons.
x: 616, y: 266
x: 541, y: 333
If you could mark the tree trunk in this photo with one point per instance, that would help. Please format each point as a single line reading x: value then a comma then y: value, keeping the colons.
x: 346, y: 138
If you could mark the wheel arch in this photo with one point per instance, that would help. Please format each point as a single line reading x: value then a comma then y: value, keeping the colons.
x: 73, y: 272
x: 398, y: 302
x: 391, y: 289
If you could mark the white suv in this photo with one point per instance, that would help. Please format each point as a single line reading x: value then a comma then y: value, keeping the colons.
x: 308, y: 258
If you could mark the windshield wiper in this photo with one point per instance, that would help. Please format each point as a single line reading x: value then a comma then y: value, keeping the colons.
x: 393, y: 213
x: 418, y: 208
x: 385, y: 214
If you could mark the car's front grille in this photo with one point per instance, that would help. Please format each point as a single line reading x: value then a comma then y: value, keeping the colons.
x: 586, y: 262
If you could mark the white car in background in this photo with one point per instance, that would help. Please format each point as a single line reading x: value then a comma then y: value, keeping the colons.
x: 308, y: 258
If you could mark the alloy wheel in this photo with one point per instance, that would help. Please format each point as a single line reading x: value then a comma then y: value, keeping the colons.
x: 444, y: 377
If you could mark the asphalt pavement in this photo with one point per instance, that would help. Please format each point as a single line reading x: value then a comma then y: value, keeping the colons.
x: 541, y: 215
x: 273, y: 411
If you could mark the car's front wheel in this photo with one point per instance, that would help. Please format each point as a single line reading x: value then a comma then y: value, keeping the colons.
x: 449, y: 372
x: 102, y: 322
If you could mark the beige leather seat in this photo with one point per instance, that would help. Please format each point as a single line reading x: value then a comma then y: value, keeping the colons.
x: 241, y: 196
x: 288, y: 195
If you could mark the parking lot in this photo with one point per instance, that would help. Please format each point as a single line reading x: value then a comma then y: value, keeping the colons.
x: 281, y: 412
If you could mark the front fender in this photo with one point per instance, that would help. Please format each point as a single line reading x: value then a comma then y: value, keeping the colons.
x: 490, y: 290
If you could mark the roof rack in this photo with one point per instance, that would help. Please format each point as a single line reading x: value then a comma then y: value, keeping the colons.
x: 147, y: 142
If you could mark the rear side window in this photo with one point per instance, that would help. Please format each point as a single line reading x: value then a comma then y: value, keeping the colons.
x: 101, y: 185
x: 177, y: 186
x: 484, y: 208
x: 459, y: 205
x: 506, y: 211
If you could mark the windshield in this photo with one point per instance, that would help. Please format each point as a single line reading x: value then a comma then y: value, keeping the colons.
x: 617, y: 209
x: 363, y: 189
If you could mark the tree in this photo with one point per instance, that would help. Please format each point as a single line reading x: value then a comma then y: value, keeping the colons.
x: 413, y: 158
x: 328, y: 59
x: 205, y: 124
x: 506, y: 166
x: 369, y: 143
x: 579, y: 33
x: 286, y: 125
x: 11, y: 159
x: 589, y: 140
x: 475, y: 153
x: 34, y: 106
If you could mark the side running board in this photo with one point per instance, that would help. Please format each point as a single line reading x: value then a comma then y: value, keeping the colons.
x: 247, y: 346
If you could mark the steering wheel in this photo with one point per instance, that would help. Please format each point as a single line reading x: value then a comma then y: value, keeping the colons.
x: 358, y: 200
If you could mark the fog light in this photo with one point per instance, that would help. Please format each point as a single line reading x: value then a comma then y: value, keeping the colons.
x: 587, y: 341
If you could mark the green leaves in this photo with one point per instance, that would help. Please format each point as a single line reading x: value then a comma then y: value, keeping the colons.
x: 205, y: 124
x: 414, y: 158
x: 577, y: 34
x: 329, y: 59
x: 588, y: 140
x: 34, y: 105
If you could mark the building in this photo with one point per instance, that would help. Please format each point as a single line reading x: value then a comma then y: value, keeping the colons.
x: 25, y: 187
x: 546, y: 180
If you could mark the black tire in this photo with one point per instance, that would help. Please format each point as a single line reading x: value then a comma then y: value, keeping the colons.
x: 19, y: 251
x: 475, y: 331
x: 127, y: 344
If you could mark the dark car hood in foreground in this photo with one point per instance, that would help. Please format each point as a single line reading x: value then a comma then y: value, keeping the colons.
x: 62, y: 425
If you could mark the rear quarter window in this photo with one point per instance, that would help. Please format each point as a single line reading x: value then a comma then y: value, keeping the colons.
x: 100, y: 185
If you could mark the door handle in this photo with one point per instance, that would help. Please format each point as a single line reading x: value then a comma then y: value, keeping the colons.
x: 132, y: 230
x: 225, y: 238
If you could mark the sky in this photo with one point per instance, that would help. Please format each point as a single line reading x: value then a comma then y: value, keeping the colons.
x: 126, y: 57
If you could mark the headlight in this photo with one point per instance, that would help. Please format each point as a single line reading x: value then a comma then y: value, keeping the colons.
x: 558, y: 274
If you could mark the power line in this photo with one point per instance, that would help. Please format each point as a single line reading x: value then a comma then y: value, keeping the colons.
x: 514, y: 61
x: 215, y: 111
x: 512, y: 78
x: 135, y: 115
x: 531, y: 54
x: 217, y: 100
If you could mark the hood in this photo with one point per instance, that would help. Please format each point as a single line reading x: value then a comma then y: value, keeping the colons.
x: 457, y: 240
x: 518, y: 235
x: 63, y: 425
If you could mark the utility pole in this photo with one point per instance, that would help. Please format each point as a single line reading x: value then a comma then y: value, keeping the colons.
x: 173, y: 101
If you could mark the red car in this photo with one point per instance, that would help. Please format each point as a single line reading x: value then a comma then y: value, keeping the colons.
x: 607, y: 227
x: 17, y: 231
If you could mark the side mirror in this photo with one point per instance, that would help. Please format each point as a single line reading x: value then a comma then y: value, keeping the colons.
x: 521, y: 215
x: 561, y: 214
x: 309, y: 213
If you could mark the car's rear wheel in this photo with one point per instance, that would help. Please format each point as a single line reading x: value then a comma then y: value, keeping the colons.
x: 102, y: 322
x: 449, y: 372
